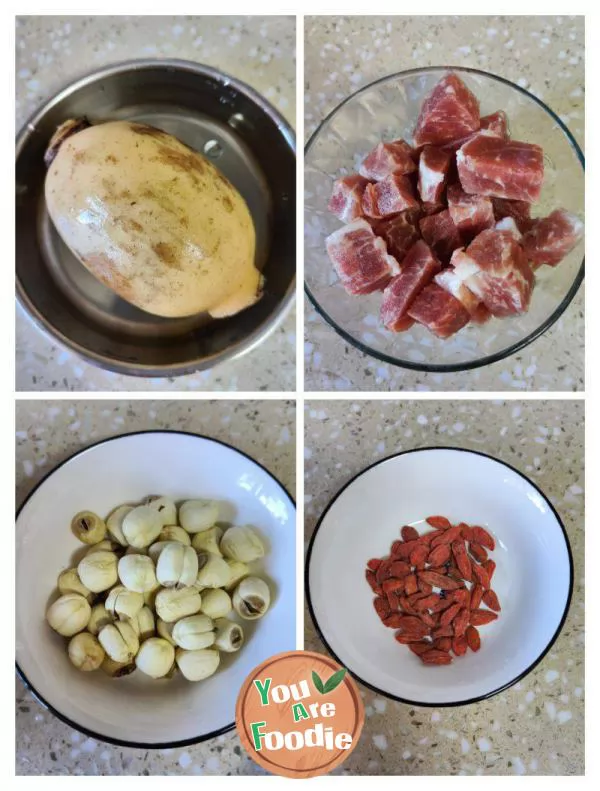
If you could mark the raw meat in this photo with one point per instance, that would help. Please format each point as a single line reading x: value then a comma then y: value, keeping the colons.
x: 509, y: 169
x: 346, y: 198
x: 360, y: 258
x: 441, y: 234
x: 495, y: 269
x: 497, y: 123
x: 454, y: 284
x: 551, y: 238
x: 519, y: 210
x: 428, y: 209
x: 386, y: 158
x: 470, y: 213
x: 439, y: 311
x: 508, y: 224
x: 449, y: 112
x: 434, y: 164
x: 399, y: 232
x: 390, y: 196
x: 418, y: 268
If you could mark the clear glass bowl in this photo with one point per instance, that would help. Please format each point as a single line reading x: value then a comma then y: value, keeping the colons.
x: 387, y: 110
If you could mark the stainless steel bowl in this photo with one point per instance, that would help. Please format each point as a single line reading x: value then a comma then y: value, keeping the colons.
x: 216, y: 115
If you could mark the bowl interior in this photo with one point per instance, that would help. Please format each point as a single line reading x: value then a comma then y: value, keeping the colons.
x: 387, y: 110
x: 532, y: 579
x: 215, y: 116
x: 137, y: 709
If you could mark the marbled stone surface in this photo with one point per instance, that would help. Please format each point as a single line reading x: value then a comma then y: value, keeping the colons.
x: 542, y: 54
x: 537, y: 726
x: 52, y: 51
x: 50, y: 431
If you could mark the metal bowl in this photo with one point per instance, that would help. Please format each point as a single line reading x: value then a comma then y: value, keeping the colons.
x: 214, y: 114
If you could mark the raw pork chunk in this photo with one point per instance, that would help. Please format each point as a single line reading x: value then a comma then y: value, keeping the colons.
x: 495, y: 269
x: 497, y: 123
x: 470, y: 213
x: 450, y: 112
x: 346, y: 198
x: 519, y: 210
x: 386, y: 158
x: 439, y: 311
x: 552, y: 238
x: 360, y: 258
x: 454, y: 284
x: 399, y: 232
x: 418, y: 268
x: 390, y: 196
x: 441, y: 234
x: 434, y: 164
x: 508, y: 169
x: 508, y: 224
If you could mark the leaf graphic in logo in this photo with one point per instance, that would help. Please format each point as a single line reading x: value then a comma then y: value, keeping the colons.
x: 318, y: 683
x: 334, y: 681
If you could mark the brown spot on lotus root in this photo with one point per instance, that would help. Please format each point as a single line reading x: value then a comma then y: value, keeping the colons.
x: 167, y: 254
x: 147, y: 131
x: 228, y: 203
x: 104, y: 269
x: 112, y: 158
x: 183, y: 159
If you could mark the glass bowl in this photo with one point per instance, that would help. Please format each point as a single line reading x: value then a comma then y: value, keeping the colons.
x: 386, y: 110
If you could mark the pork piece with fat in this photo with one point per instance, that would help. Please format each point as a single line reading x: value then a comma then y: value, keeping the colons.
x: 519, y: 210
x: 552, y: 238
x: 391, y: 196
x: 488, y: 165
x: 418, y: 268
x: 387, y: 158
x: 360, y: 258
x: 399, y: 233
x: 470, y: 213
x: 441, y: 234
x: 450, y: 112
x: 496, y: 270
x: 434, y: 164
x: 439, y: 311
x: 508, y: 224
x: 454, y: 283
x: 346, y: 197
x: 497, y: 123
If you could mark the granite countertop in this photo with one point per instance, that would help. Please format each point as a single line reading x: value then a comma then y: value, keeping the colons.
x: 53, y: 50
x: 50, y: 431
x: 543, y: 54
x: 537, y: 726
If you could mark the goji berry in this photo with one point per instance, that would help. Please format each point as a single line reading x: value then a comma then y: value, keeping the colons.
x: 374, y: 563
x: 436, y: 657
x: 426, y: 602
x: 447, y: 537
x: 491, y: 600
x: 473, y: 639
x: 484, y: 538
x: 439, y: 580
x: 409, y: 533
x: 424, y: 587
x: 476, y: 596
x: 399, y: 568
x: 420, y: 648
x: 460, y: 645
x: 448, y: 615
x: 439, y: 555
x: 462, y: 561
x: 479, y: 553
x: 410, y: 584
x: 439, y: 522
x: 419, y: 555
x: 481, y: 575
x: 443, y: 643
x: 461, y: 621
x: 408, y: 637
x: 443, y: 631
x: 382, y: 607
x: 481, y: 617
x: 466, y: 532
x: 490, y: 567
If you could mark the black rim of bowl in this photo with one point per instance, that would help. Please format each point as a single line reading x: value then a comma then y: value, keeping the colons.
x: 509, y: 350
x: 38, y: 696
x: 450, y: 704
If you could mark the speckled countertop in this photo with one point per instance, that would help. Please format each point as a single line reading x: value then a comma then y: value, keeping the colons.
x: 537, y: 726
x: 544, y: 55
x: 50, y: 431
x: 53, y: 50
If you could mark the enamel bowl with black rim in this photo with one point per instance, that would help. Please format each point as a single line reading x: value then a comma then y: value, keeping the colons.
x: 533, y: 578
x: 136, y: 710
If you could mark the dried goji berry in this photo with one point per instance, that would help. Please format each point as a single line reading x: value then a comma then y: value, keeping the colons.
x: 442, y: 643
x: 401, y: 549
x: 439, y: 555
x: 419, y: 555
x: 382, y: 607
x: 480, y: 575
x: 439, y: 522
x: 400, y: 568
x: 481, y: 617
x: 427, y: 538
x: 429, y: 619
x: 476, y: 596
x: 461, y: 621
x: 459, y: 645
x: 424, y: 587
x: 443, y: 631
x: 473, y: 639
x: 439, y: 580
x: 396, y: 548
x: 436, y: 657
x: 479, y: 553
x: 463, y: 563
x: 410, y: 584
x: 484, y: 538
x: 383, y: 572
x: 420, y: 648
x: 461, y: 596
x: 408, y: 637
x: 406, y: 605
x: 426, y: 602
x: 409, y: 533
x: 490, y: 567
x: 447, y: 537
x: 443, y: 604
x: 393, y: 620
x: 491, y: 600
x: 466, y: 531
x: 448, y: 615
x: 443, y: 570
x: 374, y: 563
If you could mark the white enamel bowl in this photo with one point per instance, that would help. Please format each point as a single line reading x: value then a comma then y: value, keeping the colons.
x: 138, y: 711
x: 533, y: 578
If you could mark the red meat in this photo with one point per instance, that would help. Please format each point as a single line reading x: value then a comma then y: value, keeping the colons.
x: 418, y: 268
x: 497, y: 123
x: 434, y: 164
x: 551, y: 238
x: 519, y: 210
x: 390, y: 196
x: 449, y: 112
x: 346, y: 198
x: 508, y: 224
x: 427, y: 209
x: 495, y: 269
x: 441, y: 234
x: 454, y: 284
x: 439, y: 311
x: 399, y: 232
x: 360, y: 258
x: 386, y: 158
x: 470, y: 213
x: 509, y: 169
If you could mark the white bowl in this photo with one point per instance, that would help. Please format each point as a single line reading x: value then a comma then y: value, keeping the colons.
x: 533, y: 578
x: 137, y: 711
